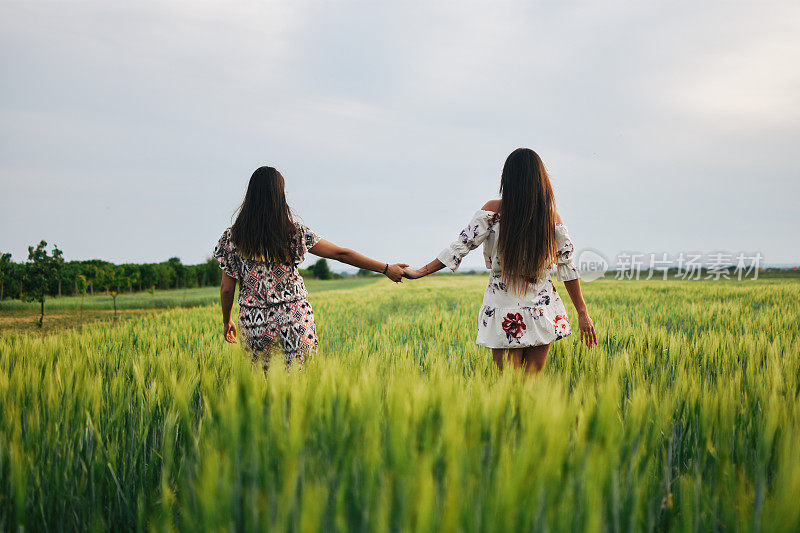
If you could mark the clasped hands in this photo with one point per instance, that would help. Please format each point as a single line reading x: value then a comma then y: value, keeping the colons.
x: 398, y: 271
x: 395, y: 272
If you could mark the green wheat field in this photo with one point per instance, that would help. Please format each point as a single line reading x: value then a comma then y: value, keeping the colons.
x: 685, y: 417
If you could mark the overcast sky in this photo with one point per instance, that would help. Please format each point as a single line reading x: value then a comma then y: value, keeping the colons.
x: 128, y: 130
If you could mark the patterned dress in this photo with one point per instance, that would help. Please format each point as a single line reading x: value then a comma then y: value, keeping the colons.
x: 506, y: 319
x: 273, y: 300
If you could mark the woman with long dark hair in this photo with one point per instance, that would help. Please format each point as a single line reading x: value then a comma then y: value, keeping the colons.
x: 523, y: 237
x: 262, y: 252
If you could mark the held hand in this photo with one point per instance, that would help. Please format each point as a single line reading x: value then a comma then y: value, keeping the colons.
x: 588, y: 335
x: 229, y: 332
x: 410, y: 273
x: 395, y: 272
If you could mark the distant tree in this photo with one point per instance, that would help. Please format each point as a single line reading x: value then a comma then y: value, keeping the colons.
x: 94, y: 272
x: 113, y: 278
x: 5, y: 271
x: 133, y: 274
x: 213, y: 274
x: 147, y: 277
x: 40, y: 272
x: 364, y: 272
x: 88, y: 272
x: 17, y: 281
x: 178, y: 268
x: 321, y: 269
x: 69, y: 275
x: 163, y: 275
x: 192, y: 275
x: 132, y: 277
x: 81, y: 285
x: 59, y: 270
x: 103, y: 278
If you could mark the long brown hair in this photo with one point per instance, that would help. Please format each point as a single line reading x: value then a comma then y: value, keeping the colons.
x: 527, y: 239
x: 264, y: 228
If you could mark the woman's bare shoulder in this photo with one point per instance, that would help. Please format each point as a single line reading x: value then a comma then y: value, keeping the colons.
x: 491, y: 205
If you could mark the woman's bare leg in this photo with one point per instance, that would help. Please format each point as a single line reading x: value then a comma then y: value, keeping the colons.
x: 514, y: 355
x: 534, y: 358
x: 497, y: 357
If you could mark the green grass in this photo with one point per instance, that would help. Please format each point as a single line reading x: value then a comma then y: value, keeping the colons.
x: 165, y: 299
x: 64, y: 313
x: 685, y: 417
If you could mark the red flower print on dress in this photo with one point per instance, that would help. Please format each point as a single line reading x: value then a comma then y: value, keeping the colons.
x: 561, y: 324
x: 513, y: 326
x: 553, y: 286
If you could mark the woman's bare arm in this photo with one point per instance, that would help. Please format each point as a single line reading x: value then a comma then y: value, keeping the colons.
x: 227, y: 289
x: 574, y: 290
x: 585, y: 323
x: 436, y: 265
x: 430, y: 268
x: 329, y: 250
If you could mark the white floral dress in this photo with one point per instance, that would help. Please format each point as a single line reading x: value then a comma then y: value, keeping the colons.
x: 508, y: 320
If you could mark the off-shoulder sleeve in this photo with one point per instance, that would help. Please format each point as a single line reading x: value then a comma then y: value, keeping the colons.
x: 470, y: 238
x: 565, y: 267
x: 307, y: 238
x: 225, y: 253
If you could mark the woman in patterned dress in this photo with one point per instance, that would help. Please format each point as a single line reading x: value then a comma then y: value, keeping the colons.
x: 522, y: 237
x: 262, y: 252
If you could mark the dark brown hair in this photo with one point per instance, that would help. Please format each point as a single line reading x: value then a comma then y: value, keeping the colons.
x: 264, y: 228
x: 527, y: 239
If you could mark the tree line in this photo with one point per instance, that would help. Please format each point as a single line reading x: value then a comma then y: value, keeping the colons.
x: 45, y: 274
